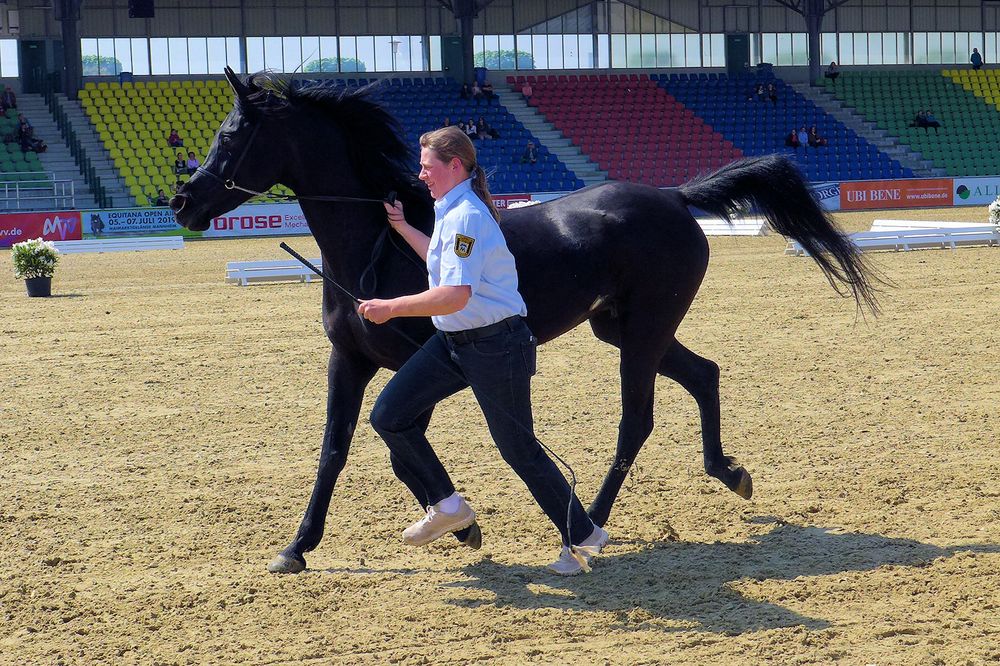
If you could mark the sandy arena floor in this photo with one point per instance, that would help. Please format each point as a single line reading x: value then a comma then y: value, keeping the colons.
x: 159, y: 431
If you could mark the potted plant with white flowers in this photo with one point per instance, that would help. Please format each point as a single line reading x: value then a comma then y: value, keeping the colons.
x: 35, y: 263
x: 995, y: 213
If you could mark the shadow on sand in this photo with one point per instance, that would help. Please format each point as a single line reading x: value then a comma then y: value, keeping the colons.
x: 687, y: 584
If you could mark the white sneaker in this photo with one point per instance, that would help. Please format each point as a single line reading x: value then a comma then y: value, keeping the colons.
x: 436, y: 523
x: 569, y: 564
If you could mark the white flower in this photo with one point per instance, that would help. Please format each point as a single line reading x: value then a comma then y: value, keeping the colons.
x: 995, y: 212
x: 34, y: 258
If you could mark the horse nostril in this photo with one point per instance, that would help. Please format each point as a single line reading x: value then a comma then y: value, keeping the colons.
x: 177, y: 202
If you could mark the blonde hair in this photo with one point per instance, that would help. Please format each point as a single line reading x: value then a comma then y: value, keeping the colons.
x: 451, y: 142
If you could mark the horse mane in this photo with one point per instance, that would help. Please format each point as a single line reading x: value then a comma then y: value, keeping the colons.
x: 373, y: 136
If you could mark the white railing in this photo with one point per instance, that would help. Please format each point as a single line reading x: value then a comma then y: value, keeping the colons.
x: 42, y: 191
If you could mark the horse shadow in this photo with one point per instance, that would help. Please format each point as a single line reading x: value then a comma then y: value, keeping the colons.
x: 677, y: 586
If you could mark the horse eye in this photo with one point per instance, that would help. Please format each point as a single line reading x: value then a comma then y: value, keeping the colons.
x: 224, y: 139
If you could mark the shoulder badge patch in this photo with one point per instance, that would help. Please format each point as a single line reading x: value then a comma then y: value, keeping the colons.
x: 463, y: 245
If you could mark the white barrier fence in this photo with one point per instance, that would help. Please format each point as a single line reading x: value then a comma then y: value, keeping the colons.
x: 916, y: 239
x: 130, y: 244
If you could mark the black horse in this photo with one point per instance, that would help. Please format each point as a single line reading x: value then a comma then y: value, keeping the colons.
x: 627, y: 258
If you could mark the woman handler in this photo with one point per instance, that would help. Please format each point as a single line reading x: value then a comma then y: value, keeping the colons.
x: 482, y: 341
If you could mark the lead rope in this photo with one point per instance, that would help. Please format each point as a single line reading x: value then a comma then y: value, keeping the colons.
x: 579, y: 553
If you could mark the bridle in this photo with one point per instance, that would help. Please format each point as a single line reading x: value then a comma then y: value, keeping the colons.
x: 230, y: 183
x: 368, y: 281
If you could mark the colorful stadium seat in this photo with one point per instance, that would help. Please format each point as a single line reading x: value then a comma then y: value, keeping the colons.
x: 965, y: 102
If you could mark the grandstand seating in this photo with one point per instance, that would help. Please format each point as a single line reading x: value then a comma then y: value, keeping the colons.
x: 760, y: 127
x: 17, y: 166
x: 631, y: 127
x: 963, y: 101
x: 134, y: 119
x: 422, y: 104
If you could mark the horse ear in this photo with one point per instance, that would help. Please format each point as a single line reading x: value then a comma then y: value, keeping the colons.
x: 239, y: 87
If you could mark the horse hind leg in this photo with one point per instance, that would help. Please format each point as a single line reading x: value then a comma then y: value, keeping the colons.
x: 700, y: 377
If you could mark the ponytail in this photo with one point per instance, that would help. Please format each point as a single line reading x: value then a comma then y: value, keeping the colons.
x: 482, y: 190
x: 451, y: 142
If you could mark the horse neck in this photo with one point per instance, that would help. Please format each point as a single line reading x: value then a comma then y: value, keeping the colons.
x: 346, y: 234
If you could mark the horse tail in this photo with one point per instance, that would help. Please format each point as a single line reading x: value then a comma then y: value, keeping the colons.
x: 773, y: 186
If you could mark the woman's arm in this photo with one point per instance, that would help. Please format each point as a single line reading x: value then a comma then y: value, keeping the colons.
x: 415, y: 238
x: 436, y: 301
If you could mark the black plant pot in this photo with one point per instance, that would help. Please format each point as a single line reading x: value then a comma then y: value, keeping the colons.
x: 39, y: 286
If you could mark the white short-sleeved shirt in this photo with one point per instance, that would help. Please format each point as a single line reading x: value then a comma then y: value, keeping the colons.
x: 468, y: 248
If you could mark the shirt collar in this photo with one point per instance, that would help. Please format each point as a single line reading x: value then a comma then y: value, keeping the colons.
x: 456, y: 193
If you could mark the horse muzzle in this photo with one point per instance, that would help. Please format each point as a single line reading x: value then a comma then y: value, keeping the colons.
x: 185, y: 215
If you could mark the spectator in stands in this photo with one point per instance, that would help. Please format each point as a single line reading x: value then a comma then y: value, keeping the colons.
x: 161, y: 199
x: 23, y: 125
x: 26, y: 136
x: 461, y: 126
x: 464, y: 92
x: 488, y: 93
x: 918, y: 120
x: 486, y: 131
x: 792, y: 139
x: 527, y: 91
x: 803, y: 137
x: 471, y: 130
x: 8, y: 100
x: 174, y: 140
x: 192, y: 163
x: 930, y: 121
x: 815, y: 140
x: 976, y: 59
x: 477, y: 92
x: 530, y: 154
x: 447, y: 122
x: 180, y: 165
x: 832, y: 72
x: 29, y: 142
x: 772, y: 93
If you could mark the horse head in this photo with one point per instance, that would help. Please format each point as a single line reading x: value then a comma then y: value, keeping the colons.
x: 247, y: 155
x: 316, y: 139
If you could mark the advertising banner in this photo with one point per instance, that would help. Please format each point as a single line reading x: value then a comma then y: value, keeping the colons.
x: 285, y: 219
x: 869, y: 194
x: 53, y: 226
x: 282, y: 219
x: 976, y: 191
x: 828, y: 195
x: 125, y: 221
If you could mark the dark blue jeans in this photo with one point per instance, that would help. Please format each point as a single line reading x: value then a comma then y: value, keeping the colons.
x: 499, y: 369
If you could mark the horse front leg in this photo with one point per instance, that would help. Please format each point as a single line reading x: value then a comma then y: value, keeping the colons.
x: 638, y: 376
x: 347, y: 377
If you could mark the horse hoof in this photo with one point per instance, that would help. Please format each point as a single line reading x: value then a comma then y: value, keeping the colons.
x: 287, y: 564
x: 475, y: 538
x: 744, y: 487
